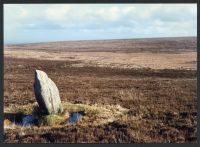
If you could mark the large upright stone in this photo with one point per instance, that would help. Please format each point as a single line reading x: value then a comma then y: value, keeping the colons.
x: 47, y: 94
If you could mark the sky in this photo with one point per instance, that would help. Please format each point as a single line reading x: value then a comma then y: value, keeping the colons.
x: 28, y: 23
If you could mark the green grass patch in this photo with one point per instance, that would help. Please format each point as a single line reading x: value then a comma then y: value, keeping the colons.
x: 52, y: 120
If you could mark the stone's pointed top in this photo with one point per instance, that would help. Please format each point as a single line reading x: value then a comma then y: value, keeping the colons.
x: 37, y: 70
x: 40, y: 71
x: 39, y: 74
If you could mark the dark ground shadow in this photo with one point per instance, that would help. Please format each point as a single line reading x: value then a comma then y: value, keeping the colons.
x: 14, y: 117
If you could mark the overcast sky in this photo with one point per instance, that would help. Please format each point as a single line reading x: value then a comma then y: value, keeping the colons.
x: 56, y: 22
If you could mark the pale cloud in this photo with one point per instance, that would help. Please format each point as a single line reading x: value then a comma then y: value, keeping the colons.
x: 97, y: 21
x: 110, y: 14
x: 58, y: 12
x: 23, y: 13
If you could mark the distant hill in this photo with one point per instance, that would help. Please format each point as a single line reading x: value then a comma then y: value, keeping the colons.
x: 173, y: 44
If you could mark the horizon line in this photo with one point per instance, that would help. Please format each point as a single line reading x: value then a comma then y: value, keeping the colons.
x: 109, y: 39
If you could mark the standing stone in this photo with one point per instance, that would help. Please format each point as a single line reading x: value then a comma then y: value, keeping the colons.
x: 47, y: 94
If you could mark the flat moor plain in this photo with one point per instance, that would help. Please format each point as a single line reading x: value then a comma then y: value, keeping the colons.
x: 154, y: 79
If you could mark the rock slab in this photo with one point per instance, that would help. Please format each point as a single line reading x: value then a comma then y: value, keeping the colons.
x: 47, y: 94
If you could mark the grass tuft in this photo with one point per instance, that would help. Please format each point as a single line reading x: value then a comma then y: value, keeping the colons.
x: 52, y: 120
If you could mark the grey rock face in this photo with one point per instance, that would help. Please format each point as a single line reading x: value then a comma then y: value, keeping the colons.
x: 47, y: 94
